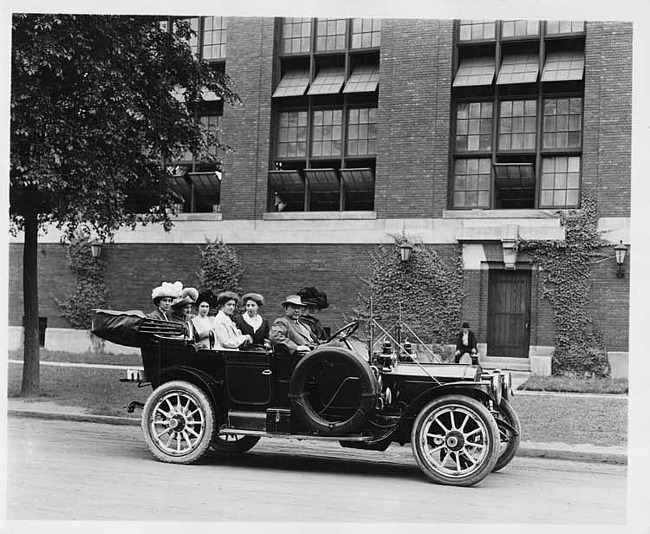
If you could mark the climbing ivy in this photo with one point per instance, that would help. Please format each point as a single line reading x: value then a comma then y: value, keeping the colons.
x: 427, y: 291
x: 90, y: 289
x: 566, y: 271
x: 220, y: 268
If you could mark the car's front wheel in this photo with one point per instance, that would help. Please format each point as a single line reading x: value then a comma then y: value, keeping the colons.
x: 455, y: 440
x: 178, y: 422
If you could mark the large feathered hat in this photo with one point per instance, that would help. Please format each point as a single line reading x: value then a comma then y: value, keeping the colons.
x: 167, y: 289
x: 314, y: 297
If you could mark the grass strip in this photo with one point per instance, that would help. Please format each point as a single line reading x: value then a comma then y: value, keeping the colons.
x: 576, y: 385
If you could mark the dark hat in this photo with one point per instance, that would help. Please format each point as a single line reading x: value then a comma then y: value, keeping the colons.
x: 313, y: 297
x: 225, y: 296
x: 207, y: 296
x: 465, y: 325
x: 293, y: 299
x: 255, y: 297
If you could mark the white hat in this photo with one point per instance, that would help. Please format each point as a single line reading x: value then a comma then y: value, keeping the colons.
x: 189, y: 295
x: 167, y: 290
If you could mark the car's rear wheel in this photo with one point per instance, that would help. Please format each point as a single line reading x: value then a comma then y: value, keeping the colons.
x: 178, y: 422
x: 234, y: 443
x: 455, y: 440
x: 509, y: 441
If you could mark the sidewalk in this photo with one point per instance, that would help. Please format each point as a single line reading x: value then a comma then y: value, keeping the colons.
x: 556, y: 451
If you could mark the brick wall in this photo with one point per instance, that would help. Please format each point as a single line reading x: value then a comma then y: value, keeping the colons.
x: 247, y: 127
x: 608, y: 116
x: 414, y: 96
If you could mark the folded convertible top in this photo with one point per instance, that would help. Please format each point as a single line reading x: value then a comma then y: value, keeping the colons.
x: 131, y: 328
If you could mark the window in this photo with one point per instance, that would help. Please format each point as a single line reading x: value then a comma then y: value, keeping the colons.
x: 475, y: 71
x: 362, y: 132
x: 560, y: 186
x: 557, y: 27
x: 366, y: 33
x: 292, y: 134
x: 519, y: 28
x: 471, y: 188
x: 562, y: 123
x: 325, y: 116
x: 474, y: 126
x: 517, y: 115
x: 476, y: 30
x: 214, y: 38
x: 331, y: 34
x: 296, y: 36
x: 517, y: 125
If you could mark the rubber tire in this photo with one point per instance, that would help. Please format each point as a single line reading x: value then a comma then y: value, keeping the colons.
x: 241, y: 445
x: 303, y: 409
x: 507, y: 413
x: 492, y: 450
x: 203, y: 405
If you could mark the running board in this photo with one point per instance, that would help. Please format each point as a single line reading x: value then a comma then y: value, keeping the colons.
x: 239, y: 432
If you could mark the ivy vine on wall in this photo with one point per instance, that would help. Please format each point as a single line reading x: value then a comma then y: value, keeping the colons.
x: 220, y: 268
x: 90, y: 289
x: 566, y: 274
x: 427, y: 291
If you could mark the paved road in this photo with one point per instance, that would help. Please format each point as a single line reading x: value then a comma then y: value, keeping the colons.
x: 90, y: 471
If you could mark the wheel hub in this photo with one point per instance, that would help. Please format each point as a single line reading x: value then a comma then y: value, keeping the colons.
x: 177, y: 423
x: 454, y: 441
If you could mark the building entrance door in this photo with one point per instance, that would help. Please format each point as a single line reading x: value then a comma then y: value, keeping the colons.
x: 508, y: 334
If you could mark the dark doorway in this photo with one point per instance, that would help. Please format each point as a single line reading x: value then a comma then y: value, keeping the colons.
x: 508, y: 334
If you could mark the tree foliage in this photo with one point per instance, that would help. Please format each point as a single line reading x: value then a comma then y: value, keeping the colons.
x: 566, y: 283
x: 95, y: 112
x: 220, y: 269
x: 426, y: 292
x: 99, y: 105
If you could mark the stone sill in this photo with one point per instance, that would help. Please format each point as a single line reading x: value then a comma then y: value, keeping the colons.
x: 319, y: 215
x: 500, y: 214
x: 196, y: 217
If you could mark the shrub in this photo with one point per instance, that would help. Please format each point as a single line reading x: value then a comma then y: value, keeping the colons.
x: 220, y: 268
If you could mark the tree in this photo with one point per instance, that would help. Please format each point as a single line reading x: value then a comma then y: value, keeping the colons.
x: 98, y: 105
x: 220, y: 268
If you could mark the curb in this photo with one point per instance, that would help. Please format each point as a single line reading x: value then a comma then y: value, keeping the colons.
x: 577, y: 453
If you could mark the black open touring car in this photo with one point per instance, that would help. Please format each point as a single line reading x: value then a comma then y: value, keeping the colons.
x: 457, y: 417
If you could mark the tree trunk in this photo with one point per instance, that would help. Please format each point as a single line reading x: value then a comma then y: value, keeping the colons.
x: 31, y: 368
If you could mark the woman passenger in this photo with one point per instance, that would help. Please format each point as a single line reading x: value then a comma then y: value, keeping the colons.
x: 182, y: 310
x: 251, y: 322
x: 162, y: 297
x: 204, y: 324
x: 227, y: 335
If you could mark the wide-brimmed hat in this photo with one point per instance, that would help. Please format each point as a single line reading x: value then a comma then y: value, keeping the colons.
x: 465, y: 325
x: 313, y: 297
x: 293, y: 299
x: 167, y: 289
x: 225, y: 296
x: 188, y: 296
x: 255, y: 297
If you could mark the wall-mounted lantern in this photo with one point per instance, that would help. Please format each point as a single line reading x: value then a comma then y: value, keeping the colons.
x: 96, y: 249
x: 405, y: 250
x: 620, y: 250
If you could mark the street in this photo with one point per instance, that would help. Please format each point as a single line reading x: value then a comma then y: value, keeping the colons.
x: 90, y: 471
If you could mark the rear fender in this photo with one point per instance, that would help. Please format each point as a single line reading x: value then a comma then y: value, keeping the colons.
x: 212, y: 387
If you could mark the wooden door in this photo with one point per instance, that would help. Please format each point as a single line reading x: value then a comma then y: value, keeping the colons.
x: 508, y: 332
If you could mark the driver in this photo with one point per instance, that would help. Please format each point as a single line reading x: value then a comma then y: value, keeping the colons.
x: 288, y: 335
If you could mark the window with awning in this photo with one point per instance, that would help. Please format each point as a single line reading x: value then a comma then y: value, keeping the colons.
x: 518, y: 68
x: 475, y: 71
x: 293, y: 83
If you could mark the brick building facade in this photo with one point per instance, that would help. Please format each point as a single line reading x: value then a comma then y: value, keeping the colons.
x: 421, y: 163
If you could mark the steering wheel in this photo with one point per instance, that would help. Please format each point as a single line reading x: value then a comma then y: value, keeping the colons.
x: 342, y: 334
